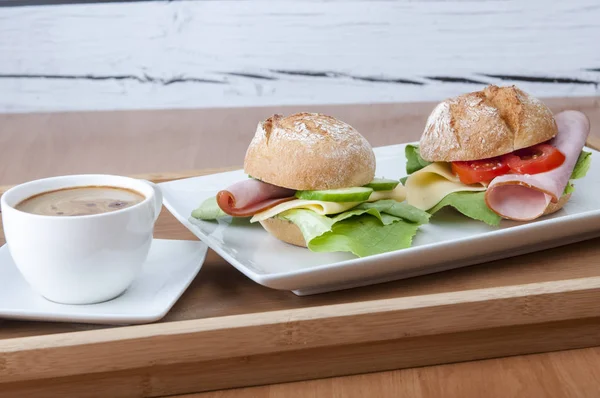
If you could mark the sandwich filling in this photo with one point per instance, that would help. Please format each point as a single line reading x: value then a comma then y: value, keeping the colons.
x: 251, y: 196
x: 519, y: 185
x: 362, y: 220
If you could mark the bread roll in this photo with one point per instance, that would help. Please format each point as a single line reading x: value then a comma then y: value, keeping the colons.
x: 484, y: 124
x: 284, y: 230
x: 309, y: 151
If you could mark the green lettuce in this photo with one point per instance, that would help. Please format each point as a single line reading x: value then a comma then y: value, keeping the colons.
x: 582, y: 165
x: 367, y: 229
x: 579, y: 171
x: 365, y: 236
x: 396, y: 209
x: 414, y: 161
x: 209, y: 210
x: 470, y: 204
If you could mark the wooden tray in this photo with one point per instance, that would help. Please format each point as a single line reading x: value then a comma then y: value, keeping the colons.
x: 227, y: 331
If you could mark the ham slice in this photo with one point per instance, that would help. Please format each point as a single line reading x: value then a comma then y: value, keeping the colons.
x: 525, y: 197
x: 248, y: 197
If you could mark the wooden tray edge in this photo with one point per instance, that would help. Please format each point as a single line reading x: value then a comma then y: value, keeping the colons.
x: 59, y: 355
x: 181, y: 378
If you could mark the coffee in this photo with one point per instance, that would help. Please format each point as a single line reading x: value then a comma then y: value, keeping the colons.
x: 80, y: 201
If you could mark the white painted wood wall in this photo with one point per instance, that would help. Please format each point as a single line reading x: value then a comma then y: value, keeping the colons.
x: 185, y: 54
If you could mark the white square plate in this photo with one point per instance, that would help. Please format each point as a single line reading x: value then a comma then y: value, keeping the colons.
x: 170, y: 268
x: 449, y: 241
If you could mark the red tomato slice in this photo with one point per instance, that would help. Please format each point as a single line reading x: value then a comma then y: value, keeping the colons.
x: 536, y: 159
x: 485, y: 170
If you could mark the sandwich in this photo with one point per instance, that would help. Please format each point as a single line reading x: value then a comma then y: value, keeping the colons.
x: 495, y: 154
x: 311, y: 183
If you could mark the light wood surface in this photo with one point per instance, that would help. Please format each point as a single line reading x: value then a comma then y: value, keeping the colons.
x: 132, y: 142
x: 190, y: 54
x: 572, y: 374
x: 227, y: 331
x: 318, y: 364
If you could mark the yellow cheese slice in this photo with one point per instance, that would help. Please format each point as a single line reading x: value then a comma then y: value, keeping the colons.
x: 398, y: 194
x: 427, y: 187
x: 324, y: 208
x: 317, y: 206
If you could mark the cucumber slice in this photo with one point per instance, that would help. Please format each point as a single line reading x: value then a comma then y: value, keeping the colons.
x: 354, y: 194
x: 382, y: 184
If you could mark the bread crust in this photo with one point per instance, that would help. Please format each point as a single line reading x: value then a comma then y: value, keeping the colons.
x: 554, y: 207
x: 284, y: 230
x: 484, y: 124
x: 309, y: 151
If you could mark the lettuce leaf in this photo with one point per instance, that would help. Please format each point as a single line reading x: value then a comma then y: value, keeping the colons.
x: 414, y: 161
x: 311, y: 224
x: 582, y: 165
x: 365, y: 236
x: 470, y: 204
x: 367, y: 229
x: 209, y: 210
x: 579, y: 171
x: 397, y: 209
x: 569, y: 188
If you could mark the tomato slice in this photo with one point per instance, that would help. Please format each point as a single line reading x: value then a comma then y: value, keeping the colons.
x: 485, y: 170
x: 535, y: 159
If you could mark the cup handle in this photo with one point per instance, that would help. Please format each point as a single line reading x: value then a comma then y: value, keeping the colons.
x: 158, y: 198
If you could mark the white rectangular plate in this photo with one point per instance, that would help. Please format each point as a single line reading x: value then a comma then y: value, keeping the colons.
x: 449, y: 241
x: 169, y: 269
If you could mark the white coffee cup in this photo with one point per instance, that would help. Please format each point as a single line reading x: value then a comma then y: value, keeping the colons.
x: 80, y: 259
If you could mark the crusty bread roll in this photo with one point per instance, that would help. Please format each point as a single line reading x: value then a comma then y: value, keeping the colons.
x: 309, y: 151
x: 484, y: 124
x: 284, y: 230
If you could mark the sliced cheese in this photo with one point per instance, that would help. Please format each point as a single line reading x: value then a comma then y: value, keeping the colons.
x: 325, y: 208
x: 398, y: 194
x: 318, y: 206
x: 427, y: 187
